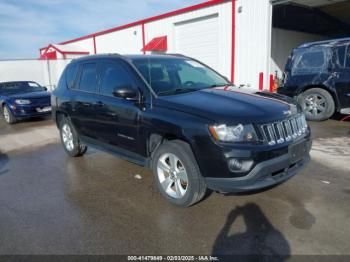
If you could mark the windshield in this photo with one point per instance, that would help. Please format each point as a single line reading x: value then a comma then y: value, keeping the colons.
x: 20, y: 88
x: 169, y: 76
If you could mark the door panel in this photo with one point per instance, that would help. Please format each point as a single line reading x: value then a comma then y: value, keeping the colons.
x: 189, y: 39
x: 118, y: 118
x: 84, y: 113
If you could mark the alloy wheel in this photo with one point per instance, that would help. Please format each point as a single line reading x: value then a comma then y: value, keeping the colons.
x: 172, y: 175
x: 67, y: 137
x: 315, y: 104
x: 6, y: 114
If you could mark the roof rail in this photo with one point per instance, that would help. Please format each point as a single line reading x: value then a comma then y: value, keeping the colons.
x: 176, y: 54
x: 333, y: 41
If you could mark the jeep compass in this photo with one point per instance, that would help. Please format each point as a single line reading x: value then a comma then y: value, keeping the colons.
x: 181, y: 119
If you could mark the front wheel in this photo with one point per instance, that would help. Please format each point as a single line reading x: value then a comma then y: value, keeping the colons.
x: 177, y: 174
x: 317, y: 103
x: 70, y: 139
x: 8, y: 116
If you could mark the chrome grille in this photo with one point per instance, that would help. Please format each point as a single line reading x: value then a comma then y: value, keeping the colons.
x: 284, y: 131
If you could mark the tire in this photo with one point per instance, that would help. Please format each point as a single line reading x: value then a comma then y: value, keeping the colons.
x: 8, y: 116
x: 70, y: 139
x: 317, y: 103
x: 173, y: 186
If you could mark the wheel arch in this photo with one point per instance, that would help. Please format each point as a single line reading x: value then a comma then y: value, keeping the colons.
x: 326, y: 88
x: 59, y: 116
x: 157, y: 139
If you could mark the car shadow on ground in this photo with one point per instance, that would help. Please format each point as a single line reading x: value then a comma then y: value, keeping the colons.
x: 4, y: 159
x: 259, y: 239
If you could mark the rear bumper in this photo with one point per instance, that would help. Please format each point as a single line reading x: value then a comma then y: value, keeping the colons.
x: 265, y: 174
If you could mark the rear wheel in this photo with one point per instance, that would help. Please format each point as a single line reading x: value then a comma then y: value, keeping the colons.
x: 8, y: 116
x: 70, y: 139
x: 318, y: 104
x: 177, y: 174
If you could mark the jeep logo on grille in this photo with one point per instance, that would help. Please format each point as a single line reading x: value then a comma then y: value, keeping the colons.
x: 293, y: 110
x: 287, y: 113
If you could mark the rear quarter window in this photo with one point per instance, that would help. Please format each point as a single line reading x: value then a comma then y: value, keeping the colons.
x: 71, y: 73
x: 309, y: 62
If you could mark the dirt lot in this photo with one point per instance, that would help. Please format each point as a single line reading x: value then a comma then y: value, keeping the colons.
x: 53, y: 204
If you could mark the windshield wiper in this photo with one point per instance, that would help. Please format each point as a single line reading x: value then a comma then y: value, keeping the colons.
x: 179, y: 90
x: 220, y: 85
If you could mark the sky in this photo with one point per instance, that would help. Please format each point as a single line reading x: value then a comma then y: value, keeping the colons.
x: 27, y: 25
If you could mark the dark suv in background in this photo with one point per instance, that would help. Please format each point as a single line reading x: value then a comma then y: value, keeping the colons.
x: 318, y: 75
x: 181, y: 119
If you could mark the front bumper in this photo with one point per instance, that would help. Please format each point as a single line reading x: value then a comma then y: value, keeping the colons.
x: 265, y: 174
x: 29, y: 111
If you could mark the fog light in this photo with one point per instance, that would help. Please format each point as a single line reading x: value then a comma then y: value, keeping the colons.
x: 239, y: 165
x: 235, y: 164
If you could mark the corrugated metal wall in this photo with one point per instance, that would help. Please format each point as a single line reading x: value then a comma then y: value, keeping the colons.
x: 167, y: 26
x: 129, y: 40
x: 126, y: 41
x: 252, y: 45
x: 83, y: 45
x: 252, y: 34
x: 44, y: 72
x: 253, y: 41
x: 283, y: 41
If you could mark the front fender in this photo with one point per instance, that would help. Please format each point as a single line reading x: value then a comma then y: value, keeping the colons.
x: 171, y: 124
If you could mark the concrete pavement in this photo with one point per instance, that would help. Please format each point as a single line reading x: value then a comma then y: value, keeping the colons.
x: 53, y: 204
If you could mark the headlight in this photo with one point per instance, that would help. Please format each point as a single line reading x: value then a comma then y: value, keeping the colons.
x: 22, y: 101
x: 238, y: 133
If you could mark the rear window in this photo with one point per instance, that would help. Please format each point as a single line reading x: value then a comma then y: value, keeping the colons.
x: 309, y: 61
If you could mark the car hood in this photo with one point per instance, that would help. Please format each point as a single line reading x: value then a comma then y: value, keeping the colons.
x: 231, y: 105
x: 42, y: 94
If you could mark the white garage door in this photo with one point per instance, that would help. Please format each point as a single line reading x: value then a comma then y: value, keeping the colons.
x: 199, y: 38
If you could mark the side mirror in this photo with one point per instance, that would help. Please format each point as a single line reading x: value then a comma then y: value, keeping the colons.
x: 45, y: 88
x: 126, y: 92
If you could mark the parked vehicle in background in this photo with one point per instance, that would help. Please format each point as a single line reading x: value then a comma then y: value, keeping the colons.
x: 183, y: 120
x: 318, y: 75
x: 23, y: 99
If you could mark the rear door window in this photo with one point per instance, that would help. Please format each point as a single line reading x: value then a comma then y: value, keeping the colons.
x: 88, y: 78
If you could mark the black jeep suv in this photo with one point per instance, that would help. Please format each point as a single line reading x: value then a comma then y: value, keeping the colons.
x: 318, y: 75
x: 181, y: 119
